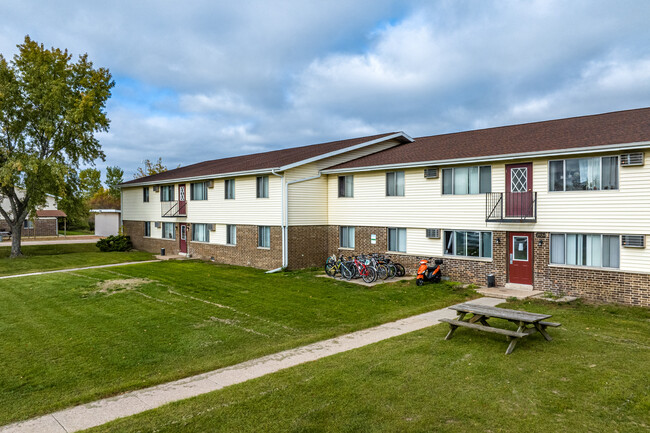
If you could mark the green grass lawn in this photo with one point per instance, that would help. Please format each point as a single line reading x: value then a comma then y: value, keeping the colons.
x: 39, y: 258
x: 592, y: 378
x: 77, y: 232
x: 75, y: 337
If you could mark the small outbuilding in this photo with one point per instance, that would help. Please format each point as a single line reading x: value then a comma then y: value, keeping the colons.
x: 107, y: 222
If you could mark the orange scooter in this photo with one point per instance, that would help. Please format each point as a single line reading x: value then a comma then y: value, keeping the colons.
x: 428, y: 273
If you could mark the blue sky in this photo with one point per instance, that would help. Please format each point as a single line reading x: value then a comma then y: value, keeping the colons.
x: 209, y: 79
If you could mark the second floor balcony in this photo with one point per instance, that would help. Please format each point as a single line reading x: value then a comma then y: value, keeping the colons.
x: 174, y: 208
x: 511, y: 207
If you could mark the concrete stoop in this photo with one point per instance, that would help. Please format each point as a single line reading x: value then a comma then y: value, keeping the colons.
x: 508, y: 292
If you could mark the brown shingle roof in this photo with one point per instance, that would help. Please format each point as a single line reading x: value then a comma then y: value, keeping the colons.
x: 619, y: 127
x: 257, y: 161
x: 50, y: 213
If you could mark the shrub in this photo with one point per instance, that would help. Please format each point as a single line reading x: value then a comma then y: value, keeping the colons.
x: 115, y: 243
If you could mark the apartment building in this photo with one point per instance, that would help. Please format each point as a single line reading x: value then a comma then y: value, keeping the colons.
x: 560, y: 205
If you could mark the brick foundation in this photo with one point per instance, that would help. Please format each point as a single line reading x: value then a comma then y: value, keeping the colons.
x: 593, y: 284
x: 245, y: 253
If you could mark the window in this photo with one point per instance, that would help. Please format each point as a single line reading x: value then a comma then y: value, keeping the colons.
x: 230, y: 189
x: 199, y: 191
x: 169, y: 231
x: 395, y: 183
x: 262, y: 187
x: 167, y: 193
x: 467, y: 180
x: 346, y: 186
x: 264, y: 237
x: 585, y: 250
x: 397, y: 240
x: 147, y: 228
x: 231, y: 235
x: 200, y: 232
x: 28, y: 224
x: 468, y: 243
x: 583, y: 174
x: 346, y: 237
x: 145, y: 194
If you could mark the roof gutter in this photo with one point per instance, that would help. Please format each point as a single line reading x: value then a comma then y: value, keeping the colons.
x: 195, y: 178
x: 509, y: 156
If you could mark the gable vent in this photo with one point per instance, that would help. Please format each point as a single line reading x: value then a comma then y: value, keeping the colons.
x: 431, y: 173
x: 433, y: 233
x: 632, y: 159
x: 633, y: 241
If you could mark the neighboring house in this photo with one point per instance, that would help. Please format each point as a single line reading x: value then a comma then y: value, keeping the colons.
x: 44, y: 223
x: 561, y: 205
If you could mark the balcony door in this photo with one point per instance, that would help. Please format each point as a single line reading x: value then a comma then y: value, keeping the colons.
x: 181, y: 200
x: 519, y: 190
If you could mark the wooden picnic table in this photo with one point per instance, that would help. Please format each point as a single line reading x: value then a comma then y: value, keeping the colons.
x: 528, y: 323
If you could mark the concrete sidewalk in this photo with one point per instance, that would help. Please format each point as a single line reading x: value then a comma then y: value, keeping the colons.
x: 112, y: 265
x: 102, y: 411
x: 54, y: 241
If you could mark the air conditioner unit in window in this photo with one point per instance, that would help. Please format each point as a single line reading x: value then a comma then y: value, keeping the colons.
x: 156, y: 188
x: 431, y: 173
x: 157, y: 224
x: 633, y: 241
x: 210, y: 183
x: 212, y: 227
x: 433, y: 233
x: 632, y: 159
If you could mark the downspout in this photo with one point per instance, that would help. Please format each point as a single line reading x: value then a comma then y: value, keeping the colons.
x: 285, y: 216
x: 283, y: 225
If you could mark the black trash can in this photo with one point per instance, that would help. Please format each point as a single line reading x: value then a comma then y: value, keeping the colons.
x: 162, y: 251
x: 491, y: 282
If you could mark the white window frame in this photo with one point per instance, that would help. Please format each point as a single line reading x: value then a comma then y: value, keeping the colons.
x: 173, y: 232
x: 264, y: 192
x: 170, y: 196
x: 345, y: 240
x: 145, y: 194
x: 600, y: 187
x: 514, y: 256
x: 28, y: 224
x: 203, y: 186
x: 264, y: 237
x: 206, y: 230
x: 395, y: 191
x: 147, y: 229
x: 602, y: 239
x: 480, y: 244
x: 229, y: 189
x: 231, y: 234
x: 348, y: 186
x: 397, y: 231
x: 452, y: 171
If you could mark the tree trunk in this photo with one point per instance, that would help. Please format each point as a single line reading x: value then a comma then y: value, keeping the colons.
x: 16, y: 234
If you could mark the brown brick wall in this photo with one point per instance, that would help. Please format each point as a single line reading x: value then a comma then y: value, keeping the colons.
x: 593, y: 284
x: 465, y: 270
x: 43, y: 227
x: 308, y: 246
x: 245, y: 253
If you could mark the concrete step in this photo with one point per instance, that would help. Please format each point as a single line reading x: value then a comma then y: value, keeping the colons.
x: 516, y: 286
x: 505, y: 292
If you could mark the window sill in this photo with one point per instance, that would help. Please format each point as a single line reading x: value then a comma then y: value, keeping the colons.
x: 474, y: 259
x: 263, y: 248
x: 346, y: 248
x: 167, y: 239
x: 588, y: 268
x: 398, y: 252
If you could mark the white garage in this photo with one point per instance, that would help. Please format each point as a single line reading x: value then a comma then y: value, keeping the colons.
x: 107, y: 222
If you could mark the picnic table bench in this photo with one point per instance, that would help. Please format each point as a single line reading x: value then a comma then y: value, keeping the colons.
x: 528, y: 323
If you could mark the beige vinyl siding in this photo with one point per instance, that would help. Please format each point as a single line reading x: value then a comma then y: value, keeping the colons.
x: 308, y: 200
x: 246, y: 208
x: 156, y: 232
x: 636, y: 259
x: 218, y: 236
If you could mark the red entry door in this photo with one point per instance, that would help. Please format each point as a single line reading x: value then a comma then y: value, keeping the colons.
x: 182, y: 200
x: 520, y: 258
x: 183, y: 238
x: 519, y: 190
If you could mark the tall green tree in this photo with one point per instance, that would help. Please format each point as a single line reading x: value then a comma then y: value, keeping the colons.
x: 90, y: 181
x: 50, y: 110
x: 114, y: 177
